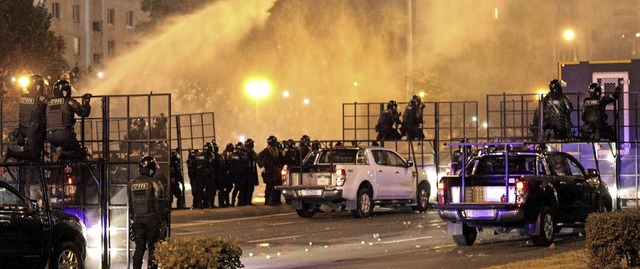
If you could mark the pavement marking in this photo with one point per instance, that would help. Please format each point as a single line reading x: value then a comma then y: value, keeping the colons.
x: 273, y: 239
x: 282, y: 223
x: 406, y: 240
x: 200, y: 222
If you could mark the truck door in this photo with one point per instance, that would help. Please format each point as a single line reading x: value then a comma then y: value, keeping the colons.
x: 393, y: 177
x: 584, y: 201
x: 565, y: 185
x: 21, y: 229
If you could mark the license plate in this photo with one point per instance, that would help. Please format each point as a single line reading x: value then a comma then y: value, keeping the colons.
x: 311, y: 192
x: 480, y: 214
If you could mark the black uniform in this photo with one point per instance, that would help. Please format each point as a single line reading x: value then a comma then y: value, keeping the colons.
x: 252, y: 176
x: 177, y: 180
x: 385, y: 127
x: 594, y: 115
x: 31, y: 125
x: 412, y: 119
x: 148, y: 210
x: 203, y: 162
x: 227, y: 186
x: 60, y: 122
x: 271, y: 158
x: 192, y: 170
x: 219, y: 167
x: 239, y: 174
x: 556, y: 109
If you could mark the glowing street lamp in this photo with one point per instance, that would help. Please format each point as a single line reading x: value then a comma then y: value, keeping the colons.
x: 569, y: 35
x: 258, y: 89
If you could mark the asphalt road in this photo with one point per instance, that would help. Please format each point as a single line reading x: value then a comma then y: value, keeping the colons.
x: 275, y: 237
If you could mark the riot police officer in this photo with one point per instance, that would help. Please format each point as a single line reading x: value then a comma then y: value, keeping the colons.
x: 177, y: 179
x: 138, y: 131
x: 252, y: 177
x: 148, y: 211
x: 291, y: 153
x: 204, y: 175
x: 594, y: 114
x: 457, y: 163
x: 271, y: 158
x: 192, y: 170
x: 228, y: 187
x: 386, y: 122
x: 210, y: 180
x: 31, y: 122
x: 239, y: 173
x: 316, y: 145
x: 556, y: 109
x: 60, y: 121
x: 220, y: 173
x: 304, y: 149
x: 412, y: 119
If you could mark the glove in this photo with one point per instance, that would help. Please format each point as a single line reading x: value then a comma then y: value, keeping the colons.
x: 86, y: 98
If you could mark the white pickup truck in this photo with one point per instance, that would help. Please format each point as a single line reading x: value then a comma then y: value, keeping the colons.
x: 356, y: 179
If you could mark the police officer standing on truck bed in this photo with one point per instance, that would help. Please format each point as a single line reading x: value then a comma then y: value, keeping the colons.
x: 31, y: 122
x: 388, y: 118
x: 556, y: 109
x: 271, y: 159
x: 594, y: 114
x: 412, y: 119
x: 60, y: 121
x: 148, y: 211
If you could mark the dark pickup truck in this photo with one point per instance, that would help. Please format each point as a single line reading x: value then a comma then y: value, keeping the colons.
x: 537, y: 191
x: 33, y: 236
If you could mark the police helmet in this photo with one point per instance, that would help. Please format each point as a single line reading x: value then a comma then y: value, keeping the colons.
x: 62, y: 88
x: 148, y: 166
x: 595, y: 89
x: 216, y: 147
x: 140, y: 122
x: 36, y: 83
x: 315, y: 145
x: 393, y: 105
x: 175, y: 155
x: 207, y: 147
x: 239, y: 146
x: 556, y: 85
x: 290, y: 144
x: 250, y: 144
x: 162, y: 146
x: 272, y: 141
x: 229, y: 147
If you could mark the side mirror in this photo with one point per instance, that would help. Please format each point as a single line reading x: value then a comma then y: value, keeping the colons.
x: 409, y: 164
x: 593, y: 173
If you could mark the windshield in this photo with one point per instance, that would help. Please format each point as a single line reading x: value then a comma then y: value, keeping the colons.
x: 495, y: 164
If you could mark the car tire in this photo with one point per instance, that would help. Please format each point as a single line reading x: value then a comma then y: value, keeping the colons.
x: 364, y: 203
x: 547, y: 228
x: 468, y: 236
x: 307, y: 210
x: 422, y: 198
x: 66, y: 255
x: 605, y: 204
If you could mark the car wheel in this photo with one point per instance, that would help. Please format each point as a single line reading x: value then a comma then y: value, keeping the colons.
x: 364, y: 203
x: 307, y: 210
x: 547, y: 228
x: 67, y: 255
x: 468, y: 236
x: 422, y: 198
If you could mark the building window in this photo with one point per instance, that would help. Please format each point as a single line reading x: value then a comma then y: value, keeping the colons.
x: 111, y: 16
x: 130, y: 19
x: 111, y: 48
x: 55, y: 10
x: 97, y: 58
x: 76, y: 46
x: 97, y: 26
x: 76, y: 13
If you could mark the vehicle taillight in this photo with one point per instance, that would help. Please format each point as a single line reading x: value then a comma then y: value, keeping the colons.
x: 441, y: 187
x: 285, y: 176
x: 341, y: 177
x: 522, y: 189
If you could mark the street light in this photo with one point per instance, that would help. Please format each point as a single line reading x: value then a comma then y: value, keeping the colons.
x: 569, y: 35
x: 258, y: 88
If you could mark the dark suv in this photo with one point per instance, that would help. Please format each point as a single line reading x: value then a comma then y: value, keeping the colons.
x: 32, y: 236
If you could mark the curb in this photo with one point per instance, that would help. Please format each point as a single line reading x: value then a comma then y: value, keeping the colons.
x: 188, y: 215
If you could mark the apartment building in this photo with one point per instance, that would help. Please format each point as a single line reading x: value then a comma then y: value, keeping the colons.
x: 95, y: 31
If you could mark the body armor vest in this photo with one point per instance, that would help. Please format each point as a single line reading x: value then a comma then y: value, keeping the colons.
x: 31, y: 109
x: 146, y: 197
x: 59, y: 114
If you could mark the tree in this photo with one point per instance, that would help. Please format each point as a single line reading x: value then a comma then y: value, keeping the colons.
x: 27, y: 42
